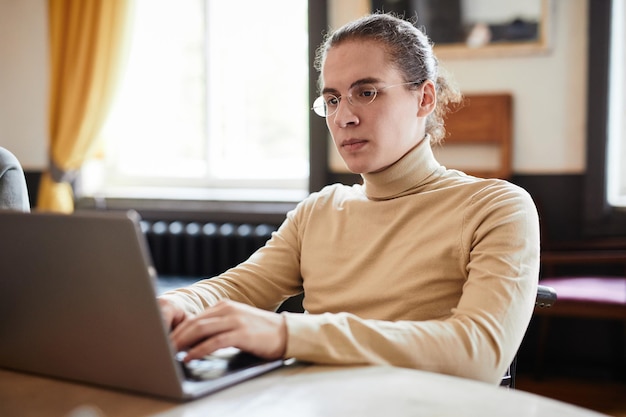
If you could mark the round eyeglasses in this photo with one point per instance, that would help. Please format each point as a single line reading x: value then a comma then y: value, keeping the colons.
x: 358, y: 95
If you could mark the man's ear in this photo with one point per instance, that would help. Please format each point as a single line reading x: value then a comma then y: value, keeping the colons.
x: 428, y: 99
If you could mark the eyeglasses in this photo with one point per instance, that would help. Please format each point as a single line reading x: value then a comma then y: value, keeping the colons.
x: 358, y: 95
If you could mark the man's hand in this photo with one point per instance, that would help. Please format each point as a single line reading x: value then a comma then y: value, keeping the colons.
x: 172, y: 315
x: 227, y: 324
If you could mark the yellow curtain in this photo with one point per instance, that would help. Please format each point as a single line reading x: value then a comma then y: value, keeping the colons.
x: 86, y: 43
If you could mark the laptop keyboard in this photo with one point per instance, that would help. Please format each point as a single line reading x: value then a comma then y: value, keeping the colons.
x: 217, y: 364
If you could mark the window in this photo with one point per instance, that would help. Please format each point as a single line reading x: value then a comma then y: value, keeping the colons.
x: 602, y: 214
x: 214, y: 104
x: 616, y: 155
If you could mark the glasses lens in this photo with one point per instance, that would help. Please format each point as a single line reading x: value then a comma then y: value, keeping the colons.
x: 363, y: 94
x: 319, y: 107
x: 325, y: 105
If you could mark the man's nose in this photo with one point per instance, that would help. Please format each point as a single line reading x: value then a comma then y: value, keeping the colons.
x: 345, y: 115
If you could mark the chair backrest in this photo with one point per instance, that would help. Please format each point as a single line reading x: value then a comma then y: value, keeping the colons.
x: 13, y: 190
x: 546, y: 297
x: 479, y: 136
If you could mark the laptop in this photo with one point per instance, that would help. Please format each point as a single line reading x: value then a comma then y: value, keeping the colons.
x: 78, y: 302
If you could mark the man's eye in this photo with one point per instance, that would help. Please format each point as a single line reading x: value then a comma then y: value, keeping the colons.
x: 332, y: 101
x: 365, y: 94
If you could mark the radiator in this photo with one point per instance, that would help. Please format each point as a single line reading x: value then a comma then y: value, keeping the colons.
x: 202, y: 249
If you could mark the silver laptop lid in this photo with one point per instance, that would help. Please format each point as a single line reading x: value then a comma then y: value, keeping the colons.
x: 77, y: 301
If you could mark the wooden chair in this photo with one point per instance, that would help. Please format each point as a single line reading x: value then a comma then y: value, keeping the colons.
x: 479, y: 136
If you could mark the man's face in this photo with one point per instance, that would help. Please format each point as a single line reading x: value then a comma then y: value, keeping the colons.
x: 371, y: 137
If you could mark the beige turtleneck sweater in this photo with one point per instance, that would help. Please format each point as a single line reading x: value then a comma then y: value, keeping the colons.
x: 420, y: 267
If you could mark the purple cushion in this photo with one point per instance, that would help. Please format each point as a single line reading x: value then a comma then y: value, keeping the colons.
x: 610, y: 290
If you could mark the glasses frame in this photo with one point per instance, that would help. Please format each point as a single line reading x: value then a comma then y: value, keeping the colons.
x: 320, y: 106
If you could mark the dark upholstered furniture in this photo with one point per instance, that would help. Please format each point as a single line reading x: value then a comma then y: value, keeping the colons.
x: 13, y: 191
x: 591, y: 284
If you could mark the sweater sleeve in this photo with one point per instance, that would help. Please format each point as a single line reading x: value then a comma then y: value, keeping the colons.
x: 266, y: 279
x: 500, y: 247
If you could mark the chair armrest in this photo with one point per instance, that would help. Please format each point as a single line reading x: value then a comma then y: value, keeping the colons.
x: 546, y: 296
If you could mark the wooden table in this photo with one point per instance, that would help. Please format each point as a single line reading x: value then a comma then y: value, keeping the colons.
x: 295, y: 391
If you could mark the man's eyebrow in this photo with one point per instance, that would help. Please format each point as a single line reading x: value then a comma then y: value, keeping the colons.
x: 367, y: 80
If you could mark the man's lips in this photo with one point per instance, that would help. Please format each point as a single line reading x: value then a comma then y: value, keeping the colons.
x: 353, y: 144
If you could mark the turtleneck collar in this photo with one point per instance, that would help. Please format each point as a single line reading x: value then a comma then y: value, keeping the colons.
x: 403, y: 176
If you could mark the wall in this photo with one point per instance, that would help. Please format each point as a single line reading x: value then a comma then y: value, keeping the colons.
x: 549, y: 93
x: 23, y: 80
x: 549, y: 90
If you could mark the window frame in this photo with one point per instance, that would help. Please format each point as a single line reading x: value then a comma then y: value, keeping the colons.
x: 318, y: 133
x: 600, y: 218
